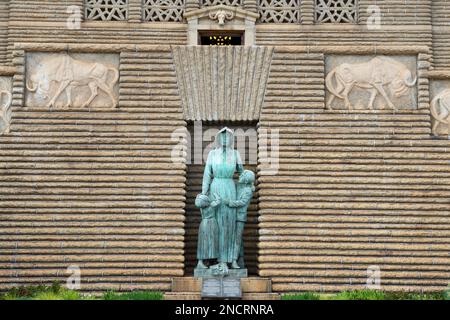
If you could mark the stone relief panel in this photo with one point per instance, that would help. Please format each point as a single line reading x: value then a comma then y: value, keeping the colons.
x: 61, y: 80
x: 371, y: 82
x: 5, y: 104
x: 440, y: 107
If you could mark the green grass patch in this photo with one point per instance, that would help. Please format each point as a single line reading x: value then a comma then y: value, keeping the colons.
x: 42, y: 292
x: 301, y: 296
x: 366, y: 295
x: 57, y: 292
x: 133, y: 295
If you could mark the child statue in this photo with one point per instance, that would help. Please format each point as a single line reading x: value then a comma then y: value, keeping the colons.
x: 244, y: 192
x: 208, y: 231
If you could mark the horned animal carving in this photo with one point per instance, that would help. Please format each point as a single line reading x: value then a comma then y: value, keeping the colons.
x: 4, y: 109
x: 440, y: 110
x: 68, y: 73
x: 221, y: 16
x: 373, y: 76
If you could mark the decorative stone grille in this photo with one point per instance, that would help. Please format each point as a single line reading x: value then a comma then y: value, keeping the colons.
x: 279, y: 11
x: 163, y: 10
x: 234, y: 3
x: 105, y: 10
x: 336, y: 11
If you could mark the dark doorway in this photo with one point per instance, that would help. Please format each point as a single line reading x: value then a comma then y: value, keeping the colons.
x: 194, y: 182
x: 215, y: 38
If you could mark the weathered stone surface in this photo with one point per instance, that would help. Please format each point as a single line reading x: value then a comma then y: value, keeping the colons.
x: 380, y: 82
x: 61, y: 80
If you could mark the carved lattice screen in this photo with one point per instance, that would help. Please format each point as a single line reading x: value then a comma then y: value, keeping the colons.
x: 208, y: 3
x: 336, y: 11
x: 279, y: 11
x: 163, y: 10
x: 105, y: 10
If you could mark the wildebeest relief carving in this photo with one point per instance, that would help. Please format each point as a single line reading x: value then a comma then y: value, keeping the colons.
x: 58, y: 74
x: 440, y: 110
x: 376, y: 76
x: 5, y: 103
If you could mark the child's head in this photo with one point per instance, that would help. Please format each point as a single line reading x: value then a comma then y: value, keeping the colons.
x: 202, y: 201
x: 247, y: 177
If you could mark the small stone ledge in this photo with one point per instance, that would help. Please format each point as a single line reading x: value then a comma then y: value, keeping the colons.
x: 89, y: 48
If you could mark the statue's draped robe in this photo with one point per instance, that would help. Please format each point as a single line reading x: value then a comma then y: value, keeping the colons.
x: 218, y: 179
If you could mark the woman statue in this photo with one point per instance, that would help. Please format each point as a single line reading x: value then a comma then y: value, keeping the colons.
x: 222, y: 163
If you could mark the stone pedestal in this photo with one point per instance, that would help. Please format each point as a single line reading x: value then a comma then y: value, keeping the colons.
x: 232, y: 273
x: 253, y: 288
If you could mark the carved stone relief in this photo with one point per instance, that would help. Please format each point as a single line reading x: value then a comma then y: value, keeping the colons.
x: 221, y: 16
x: 212, y: 18
x: 5, y: 104
x: 440, y: 107
x: 371, y: 83
x: 61, y: 80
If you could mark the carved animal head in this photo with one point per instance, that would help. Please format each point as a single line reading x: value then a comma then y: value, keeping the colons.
x: 221, y: 16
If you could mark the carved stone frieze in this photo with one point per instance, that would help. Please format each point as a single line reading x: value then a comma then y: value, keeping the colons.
x: 5, y: 104
x: 65, y: 80
x: 379, y: 82
x: 440, y: 107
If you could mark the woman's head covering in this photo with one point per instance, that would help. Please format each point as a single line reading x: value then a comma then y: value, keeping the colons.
x: 202, y: 201
x: 230, y: 136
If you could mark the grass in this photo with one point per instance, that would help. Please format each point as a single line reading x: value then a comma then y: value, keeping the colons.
x: 367, y: 295
x: 57, y: 292
x: 134, y: 295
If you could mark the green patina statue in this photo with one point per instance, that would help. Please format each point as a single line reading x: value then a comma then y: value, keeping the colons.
x: 220, y: 197
x: 208, y: 233
x: 245, y: 189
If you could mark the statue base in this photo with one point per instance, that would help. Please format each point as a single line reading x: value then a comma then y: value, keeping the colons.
x: 211, y: 273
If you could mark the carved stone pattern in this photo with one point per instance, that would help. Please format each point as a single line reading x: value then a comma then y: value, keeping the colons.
x: 163, y: 10
x: 105, y: 10
x: 233, y: 3
x: 336, y: 11
x: 222, y: 83
x: 279, y: 11
x: 5, y: 104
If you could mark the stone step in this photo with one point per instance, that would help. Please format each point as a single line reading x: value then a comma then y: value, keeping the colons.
x: 182, y: 296
x: 261, y: 296
x: 197, y: 296
x: 248, y: 285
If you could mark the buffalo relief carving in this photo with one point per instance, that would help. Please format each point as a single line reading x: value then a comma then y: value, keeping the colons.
x: 379, y: 83
x: 5, y: 104
x: 62, y: 80
x: 440, y: 111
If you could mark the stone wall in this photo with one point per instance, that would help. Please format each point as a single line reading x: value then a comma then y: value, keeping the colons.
x: 96, y: 187
x: 355, y: 189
